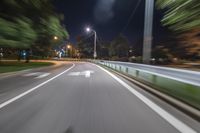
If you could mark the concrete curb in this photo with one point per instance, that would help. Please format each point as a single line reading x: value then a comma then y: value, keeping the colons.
x: 183, y: 107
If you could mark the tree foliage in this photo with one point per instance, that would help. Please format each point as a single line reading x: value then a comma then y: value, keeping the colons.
x: 183, y: 17
x: 119, y: 47
x: 180, y: 15
x: 17, y: 34
x: 190, y: 44
x: 85, y: 46
x: 30, y: 24
x: 104, y: 48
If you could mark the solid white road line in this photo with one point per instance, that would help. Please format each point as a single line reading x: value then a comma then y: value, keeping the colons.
x: 34, y: 88
x: 179, y: 125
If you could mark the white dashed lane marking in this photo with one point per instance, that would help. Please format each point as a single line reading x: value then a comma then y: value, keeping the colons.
x: 37, y: 75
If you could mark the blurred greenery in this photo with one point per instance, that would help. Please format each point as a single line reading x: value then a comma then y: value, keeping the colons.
x: 11, y: 66
x: 30, y: 25
x: 18, y: 34
x: 119, y: 46
x: 85, y: 46
x: 183, y: 18
x: 180, y: 15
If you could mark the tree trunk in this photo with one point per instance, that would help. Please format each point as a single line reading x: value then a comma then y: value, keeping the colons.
x: 27, y: 56
x: 19, y: 55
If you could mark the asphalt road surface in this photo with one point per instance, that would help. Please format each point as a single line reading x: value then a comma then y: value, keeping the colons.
x: 84, y: 98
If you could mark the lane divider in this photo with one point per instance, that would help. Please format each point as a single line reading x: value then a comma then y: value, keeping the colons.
x: 176, y: 123
x: 34, y: 88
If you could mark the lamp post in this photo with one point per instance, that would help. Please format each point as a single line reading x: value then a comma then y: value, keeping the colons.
x: 95, y: 41
x: 148, y: 26
x: 69, y: 47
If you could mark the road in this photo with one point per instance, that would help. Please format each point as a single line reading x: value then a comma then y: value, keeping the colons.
x: 84, y: 98
x: 187, y: 76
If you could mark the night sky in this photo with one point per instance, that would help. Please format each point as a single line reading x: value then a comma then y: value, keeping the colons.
x: 108, y: 18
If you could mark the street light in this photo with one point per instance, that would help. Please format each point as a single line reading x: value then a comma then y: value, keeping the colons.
x: 88, y: 29
x: 55, y: 38
x: 69, y: 49
x: 68, y: 46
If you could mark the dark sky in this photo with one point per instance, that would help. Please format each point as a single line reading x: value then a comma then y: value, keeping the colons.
x: 108, y: 18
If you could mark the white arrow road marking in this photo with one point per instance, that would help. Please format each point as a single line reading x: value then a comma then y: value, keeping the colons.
x: 43, y: 75
x: 37, y: 75
x: 86, y: 73
x: 74, y: 74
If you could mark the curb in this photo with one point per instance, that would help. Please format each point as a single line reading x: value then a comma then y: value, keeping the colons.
x: 183, y: 107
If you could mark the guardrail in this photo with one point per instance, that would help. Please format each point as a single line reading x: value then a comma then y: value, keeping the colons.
x: 176, y: 87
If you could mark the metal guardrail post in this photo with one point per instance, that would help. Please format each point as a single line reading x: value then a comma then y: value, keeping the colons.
x: 137, y: 73
x: 127, y: 70
x: 154, y: 78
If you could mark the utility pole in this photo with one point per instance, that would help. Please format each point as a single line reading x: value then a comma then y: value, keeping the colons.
x: 95, y: 45
x: 88, y: 29
x: 148, y: 26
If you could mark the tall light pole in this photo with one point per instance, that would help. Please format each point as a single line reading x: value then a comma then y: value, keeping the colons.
x: 148, y: 26
x: 69, y: 48
x: 95, y: 41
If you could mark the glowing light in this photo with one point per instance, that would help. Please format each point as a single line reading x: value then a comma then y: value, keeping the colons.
x: 88, y: 29
x: 68, y: 46
x: 55, y: 38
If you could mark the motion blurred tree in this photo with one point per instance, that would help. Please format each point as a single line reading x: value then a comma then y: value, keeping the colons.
x: 180, y: 15
x: 103, y: 51
x: 29, y: 24
x: 18, y: 34
x: 183, y: 17
x: 85, y: 46
x: 47, y: 30
x: 191, y: 43
x: 119, y: 47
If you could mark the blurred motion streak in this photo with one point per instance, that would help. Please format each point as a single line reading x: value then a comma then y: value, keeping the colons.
x: 183, y: 17
x: 30, y: 25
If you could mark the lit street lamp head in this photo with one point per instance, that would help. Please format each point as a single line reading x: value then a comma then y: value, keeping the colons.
x: 68, y: 46
x: 88, y: 29
x: 55, y: 38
